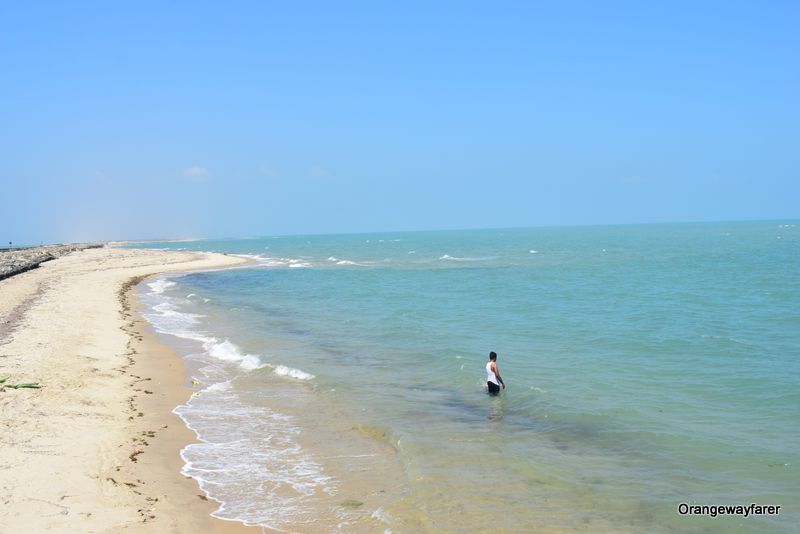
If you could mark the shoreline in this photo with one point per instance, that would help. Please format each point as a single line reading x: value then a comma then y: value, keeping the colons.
x: 159, y: 385
x: 98, y: 447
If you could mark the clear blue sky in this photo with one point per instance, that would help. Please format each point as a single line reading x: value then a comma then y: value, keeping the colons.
x: 177, y: 119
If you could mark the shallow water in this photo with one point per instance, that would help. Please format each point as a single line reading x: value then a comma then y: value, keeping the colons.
x: 343, y: 383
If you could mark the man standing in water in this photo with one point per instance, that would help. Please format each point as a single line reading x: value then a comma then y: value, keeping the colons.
x: 493, y: 379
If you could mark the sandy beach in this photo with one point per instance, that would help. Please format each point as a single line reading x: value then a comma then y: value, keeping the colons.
x: 96, y: 449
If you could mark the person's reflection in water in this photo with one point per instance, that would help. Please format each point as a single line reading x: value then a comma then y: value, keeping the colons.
x: 497, y: 409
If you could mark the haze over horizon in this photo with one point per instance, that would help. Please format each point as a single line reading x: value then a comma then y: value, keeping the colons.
x: 787, y: 221
x: 185, y: 120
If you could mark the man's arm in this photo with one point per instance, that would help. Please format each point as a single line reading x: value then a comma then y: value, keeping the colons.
x: 497, y: 374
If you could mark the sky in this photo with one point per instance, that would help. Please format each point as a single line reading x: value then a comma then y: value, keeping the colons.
x: 135, y: 120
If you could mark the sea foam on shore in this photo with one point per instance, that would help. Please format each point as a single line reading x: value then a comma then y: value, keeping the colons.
x: 250, y: 457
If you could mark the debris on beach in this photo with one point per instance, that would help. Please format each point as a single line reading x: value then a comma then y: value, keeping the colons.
x: 22, y: 385
x: 30, y: 385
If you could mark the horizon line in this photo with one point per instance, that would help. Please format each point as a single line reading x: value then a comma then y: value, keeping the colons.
x: 315, y: 234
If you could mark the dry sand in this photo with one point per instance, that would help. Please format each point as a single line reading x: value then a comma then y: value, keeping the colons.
x: 97, y: 448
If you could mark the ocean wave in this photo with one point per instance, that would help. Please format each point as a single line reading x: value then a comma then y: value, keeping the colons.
x: 164, y: 308
x: 248, y: 450
x: 283, y: 370
x: 181, y: 325
x: 243, y: 449
x: 167, y: 318
x: 254, y: 257
x: 448, y: 257
x: 160, y: 285
x: 269, y: 261
x: 725, y: 339
x: 230, y: 352
x: 225, y: 350
x: 337, y: 261
x: 220, y: 386
x: 286, y: 262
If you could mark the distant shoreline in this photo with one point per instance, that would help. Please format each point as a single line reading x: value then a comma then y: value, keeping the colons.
x: 18, y: 260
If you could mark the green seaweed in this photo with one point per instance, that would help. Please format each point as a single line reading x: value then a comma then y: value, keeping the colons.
x: 351, y: 503
x: 4, y: 378
x: 30, y: 385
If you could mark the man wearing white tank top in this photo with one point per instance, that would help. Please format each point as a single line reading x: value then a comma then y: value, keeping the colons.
x: 493, y: 380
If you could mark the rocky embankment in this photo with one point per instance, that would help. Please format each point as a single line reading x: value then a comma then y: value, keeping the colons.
x: 18, y: 260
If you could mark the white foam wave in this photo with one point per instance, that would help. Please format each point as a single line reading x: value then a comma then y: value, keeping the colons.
x: 448, y: 257
x: 269, y: 261
x: 160, y: 285
x: 283, y: 370
x: 164, y: 307
x: 383, y: 516
x: 230, y: 352
x: 167, y: 318
x: 274, y: 262
x: 225, y: 350
x: 251, y: 362
x: 219, y: 386
x: 246, y: 450
x: 337, y: 261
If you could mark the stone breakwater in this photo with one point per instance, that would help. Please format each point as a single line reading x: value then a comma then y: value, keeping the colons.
x: 18, y: 260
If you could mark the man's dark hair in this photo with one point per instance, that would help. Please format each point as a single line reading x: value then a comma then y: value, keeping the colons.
x: 492, y: 356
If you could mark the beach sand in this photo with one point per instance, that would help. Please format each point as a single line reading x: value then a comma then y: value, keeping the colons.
x: 97, y: 448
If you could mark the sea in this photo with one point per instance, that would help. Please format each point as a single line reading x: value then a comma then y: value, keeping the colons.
x: 339, y: 381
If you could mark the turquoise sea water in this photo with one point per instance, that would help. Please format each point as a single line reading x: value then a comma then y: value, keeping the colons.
x: 342, y: 381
